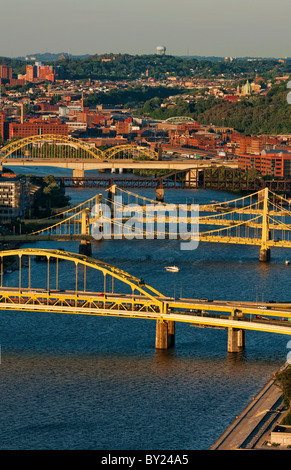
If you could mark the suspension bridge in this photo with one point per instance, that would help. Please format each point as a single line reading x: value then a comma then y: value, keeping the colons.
x: 113, y: 292
x: 260, y: 219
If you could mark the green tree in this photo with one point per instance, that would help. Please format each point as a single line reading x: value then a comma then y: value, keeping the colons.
x: 53, y: 196
x: 283, y: 381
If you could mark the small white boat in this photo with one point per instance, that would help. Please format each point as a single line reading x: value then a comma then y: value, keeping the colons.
x: 173, y: 269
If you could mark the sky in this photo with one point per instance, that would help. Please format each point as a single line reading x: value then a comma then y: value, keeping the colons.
x: 224, y: 28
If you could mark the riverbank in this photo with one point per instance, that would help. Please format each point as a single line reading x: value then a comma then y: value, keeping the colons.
x: 252, y: 427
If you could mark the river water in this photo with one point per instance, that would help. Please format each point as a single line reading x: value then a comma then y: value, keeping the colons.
x: 75, y: 382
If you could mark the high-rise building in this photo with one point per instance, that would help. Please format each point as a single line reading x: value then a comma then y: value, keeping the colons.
x: 5, y: 72
x: 3, y: 126
x: 43, y: 72
x: 31, y: 73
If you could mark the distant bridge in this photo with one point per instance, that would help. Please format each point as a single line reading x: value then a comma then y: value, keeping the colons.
x: 260, y: 219
x: 79, y: 156
x: 204, y: 176
x: 180, y: 120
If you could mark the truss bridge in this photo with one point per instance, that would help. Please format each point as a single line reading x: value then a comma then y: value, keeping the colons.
x: 100, y: 289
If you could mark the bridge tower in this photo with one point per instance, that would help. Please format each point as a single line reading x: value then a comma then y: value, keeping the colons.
x: 265, y: 252
x: 85, y: 245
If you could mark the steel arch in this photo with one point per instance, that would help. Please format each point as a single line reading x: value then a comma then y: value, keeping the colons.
x: 180, y: 120
x: 49, y: 138
x: 136, y: 149
x: 107, y: 269
x: 98, y: 154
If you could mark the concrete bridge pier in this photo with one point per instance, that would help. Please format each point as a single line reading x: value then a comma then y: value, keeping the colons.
x: 78, y: 173
x: 85, y: 248
x: 192, y: 178
x: 236, y: 340
x: 160, y: 193
x: 165, y: 334
x: 265, y: 254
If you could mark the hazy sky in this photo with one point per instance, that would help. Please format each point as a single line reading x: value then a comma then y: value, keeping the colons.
x: 186, y: 27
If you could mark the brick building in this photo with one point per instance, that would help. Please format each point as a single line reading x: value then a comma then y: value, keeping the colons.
x: 274, y: 163
x: 2, y: 121
x: 123, y: 127
x: 187, y: 136
x: 253, y: 145
x: 5, y: 72
x: 35, y: 127
x: 31, y: 73
x: 4, y: 131
x: 43, y: 72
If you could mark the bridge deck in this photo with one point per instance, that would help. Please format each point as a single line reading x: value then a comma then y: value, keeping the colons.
x: 191, y: 311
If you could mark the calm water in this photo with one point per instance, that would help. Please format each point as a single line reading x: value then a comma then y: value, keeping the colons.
x: 72, y: 382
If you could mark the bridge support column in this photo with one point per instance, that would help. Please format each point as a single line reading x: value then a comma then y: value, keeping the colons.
x: 85, y: 248
x: 165, y: 334
x: 236, y: 340
x: 192, y: 178
x: 160, y: 193
x: 265, y: 254
x: 78, y: 173
x: 171, y: 333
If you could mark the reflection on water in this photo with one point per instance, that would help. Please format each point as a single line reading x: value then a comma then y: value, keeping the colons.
x: 74, y: 382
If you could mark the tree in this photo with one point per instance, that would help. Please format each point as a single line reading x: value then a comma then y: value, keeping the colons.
x: 283, y: 381
x: 53, y: 196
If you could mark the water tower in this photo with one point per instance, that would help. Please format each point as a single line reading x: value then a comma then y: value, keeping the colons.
x: 161, y: 50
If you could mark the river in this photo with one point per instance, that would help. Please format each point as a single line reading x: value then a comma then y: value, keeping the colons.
x: 89, y: 383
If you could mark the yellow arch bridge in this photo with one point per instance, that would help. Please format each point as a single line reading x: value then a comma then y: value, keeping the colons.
x: 260, y: 219
x: 119, y: 294
x: 57, y: 148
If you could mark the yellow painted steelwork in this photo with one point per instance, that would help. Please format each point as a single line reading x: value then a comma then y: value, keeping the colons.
x: 130, y: 151
x: 89, y: 152
x: 105, y: 268
x: 262, y: 222
x: 143, y: 302
x: 20, y: 144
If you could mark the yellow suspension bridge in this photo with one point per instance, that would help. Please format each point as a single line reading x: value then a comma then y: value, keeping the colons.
x: 260, y: 219
x: 115, y: 292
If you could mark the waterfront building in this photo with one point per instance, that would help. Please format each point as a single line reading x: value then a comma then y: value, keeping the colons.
x: 275, y: 163
x: 11, y: 195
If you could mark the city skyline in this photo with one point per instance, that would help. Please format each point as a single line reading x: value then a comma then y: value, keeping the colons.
x: 228, y: 28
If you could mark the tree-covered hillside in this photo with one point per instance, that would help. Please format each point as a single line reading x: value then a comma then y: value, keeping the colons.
x: 270, y: 114
x: 125, y: 66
